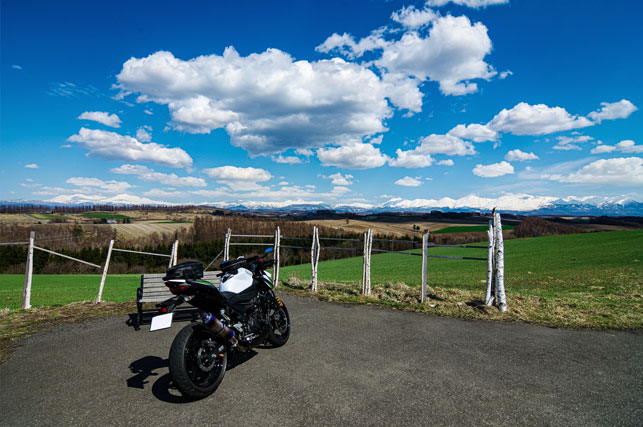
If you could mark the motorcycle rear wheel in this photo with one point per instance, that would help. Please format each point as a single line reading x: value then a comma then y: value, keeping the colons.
x: 196, y: 365
x: 279, y: 326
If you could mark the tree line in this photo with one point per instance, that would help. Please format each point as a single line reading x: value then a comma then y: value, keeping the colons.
x: 203, y: 241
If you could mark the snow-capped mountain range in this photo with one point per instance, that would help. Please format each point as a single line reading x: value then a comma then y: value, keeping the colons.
x: 511, y: 203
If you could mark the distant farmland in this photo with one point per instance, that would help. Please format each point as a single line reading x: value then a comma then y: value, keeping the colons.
x: 142, y: 229
x: 469, y: 229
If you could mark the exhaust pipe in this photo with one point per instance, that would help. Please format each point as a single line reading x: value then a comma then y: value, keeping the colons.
x: 219, y: 328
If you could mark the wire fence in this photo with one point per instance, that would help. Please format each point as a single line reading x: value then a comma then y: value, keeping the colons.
x: 495, y: 256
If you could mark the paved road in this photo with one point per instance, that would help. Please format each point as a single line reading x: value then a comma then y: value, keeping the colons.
x: 344, y: 365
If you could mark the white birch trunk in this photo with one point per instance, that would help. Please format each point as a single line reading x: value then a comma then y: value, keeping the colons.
x: 488, y: 299
x: 226, y: 246
x: 425, y: 263
x: 314, y: 258
x: 368, y: 262
x: 501, y: 299
x: 176, y: 253
x: 276, y: 257
x: 104, y: 276
x: 26, y: 292
x: 366, y: 266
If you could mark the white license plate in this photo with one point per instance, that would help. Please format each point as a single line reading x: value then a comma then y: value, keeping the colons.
x: 162, y: 321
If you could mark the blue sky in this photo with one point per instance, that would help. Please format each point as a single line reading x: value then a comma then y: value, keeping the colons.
x: 440, y: 103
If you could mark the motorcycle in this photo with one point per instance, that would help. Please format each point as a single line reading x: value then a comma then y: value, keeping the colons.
x: 242, y: 313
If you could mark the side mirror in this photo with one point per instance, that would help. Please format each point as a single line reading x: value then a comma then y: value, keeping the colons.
x: 267, y: 251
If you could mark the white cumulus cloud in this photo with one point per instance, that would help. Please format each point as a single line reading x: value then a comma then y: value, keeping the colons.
x: 567, y: 143
x: 475, y: 132
x: 411, y: 159
x: 119, y: 199
x: 623, y: 171
x: 113, y: 146
x: 100, y: 185
x: 603, y: 148
x: 107, y: 119
x: 615, y: 110
x: 143, y: 135
x: 347, y: 46
x: 413, y: 18
x: 525, y: 119
x: 445, y: 144
x: 339, y: 179
x: 150, y: 175
x: 289, y: 160
x: 340, y: 190
x: 520, y: 156
x: 493, y: 170
x: 625, y: 146
x: 433, y: 144
x: 32, y: 166
x: 352, y: 156
x: 408, y: 181
x: 452, y: 54
x: 266, y: 102
x: 233, y: 174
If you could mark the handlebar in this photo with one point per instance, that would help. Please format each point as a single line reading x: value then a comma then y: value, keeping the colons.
x: 250, y: 263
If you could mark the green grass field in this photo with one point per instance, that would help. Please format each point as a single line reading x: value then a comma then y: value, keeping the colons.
x: 104, y: 215
x: 47, y: 216
x: 536, y: 265
x: 60, y: 289
x: 579, y: 280
x: 469, y: 228
x: 582, y: 280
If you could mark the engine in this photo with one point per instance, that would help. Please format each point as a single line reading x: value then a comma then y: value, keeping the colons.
x: 253, y: 327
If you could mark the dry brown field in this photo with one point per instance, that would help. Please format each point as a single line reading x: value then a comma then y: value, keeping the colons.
x: 18, y: 219
x: 397, y: 229
x: 141, y: 229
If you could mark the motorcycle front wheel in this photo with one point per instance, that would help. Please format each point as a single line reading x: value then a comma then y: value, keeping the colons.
x: 197, y: 362
x: 279, y: 326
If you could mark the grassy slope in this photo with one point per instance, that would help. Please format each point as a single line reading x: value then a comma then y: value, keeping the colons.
x: 104, y: 215
x: 569, y: 263
x: 469, y: 228
x: 53, y: 289
x: 583, y: 280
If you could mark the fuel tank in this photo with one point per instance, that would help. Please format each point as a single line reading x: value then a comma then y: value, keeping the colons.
x: 236, y: 283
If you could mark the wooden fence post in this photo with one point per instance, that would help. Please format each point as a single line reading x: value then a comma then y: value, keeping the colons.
x: 226, y: 246
x: 501, y: 299
x: 425, y: 263
x: 171, y: 263
x: 102, y: 279
x: 276, y: 257
x: 26, y: 291
x: 176, y: 252
x: 314, y: 258
x: 488, y: 297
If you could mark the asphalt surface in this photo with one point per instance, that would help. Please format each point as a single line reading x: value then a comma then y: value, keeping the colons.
x: 343, y: 365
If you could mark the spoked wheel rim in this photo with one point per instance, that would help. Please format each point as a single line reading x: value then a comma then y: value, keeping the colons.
x: 203, y: 362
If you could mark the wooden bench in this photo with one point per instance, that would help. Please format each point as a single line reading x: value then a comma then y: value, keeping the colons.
x: 153, y: 289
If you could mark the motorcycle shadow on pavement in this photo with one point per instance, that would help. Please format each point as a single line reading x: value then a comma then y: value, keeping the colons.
x: 163, y: 389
